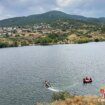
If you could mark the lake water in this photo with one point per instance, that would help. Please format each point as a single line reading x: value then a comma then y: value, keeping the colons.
x: 24, y: 69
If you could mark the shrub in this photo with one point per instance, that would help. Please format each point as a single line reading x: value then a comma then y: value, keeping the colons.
x: 83, y: 40
x: 43, y: 41
x: 96, y: 40
x: 2, y: 45
x: 61, y: 96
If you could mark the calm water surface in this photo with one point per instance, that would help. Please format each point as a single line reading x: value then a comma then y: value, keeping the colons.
x: 23, y: 70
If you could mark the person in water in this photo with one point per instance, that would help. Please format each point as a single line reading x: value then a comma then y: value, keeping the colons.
x: 90, y: 79
x: 47, y: 84
x: 87, y: 78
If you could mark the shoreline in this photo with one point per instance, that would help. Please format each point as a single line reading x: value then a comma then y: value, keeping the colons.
x: 65, y: 98
x: 51, y: 44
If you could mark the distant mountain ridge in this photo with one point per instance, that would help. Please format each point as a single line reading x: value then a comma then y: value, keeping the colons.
x: 47, y: 18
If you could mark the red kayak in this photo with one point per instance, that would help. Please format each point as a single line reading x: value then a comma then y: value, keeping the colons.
x: 87, y: 80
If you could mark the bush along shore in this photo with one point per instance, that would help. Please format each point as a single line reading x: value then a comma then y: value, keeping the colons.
x: 49, y: 39
x: 64, y: 98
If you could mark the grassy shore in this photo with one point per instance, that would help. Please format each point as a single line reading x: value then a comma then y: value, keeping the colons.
x: 49, y: 39
x: 64, y: 98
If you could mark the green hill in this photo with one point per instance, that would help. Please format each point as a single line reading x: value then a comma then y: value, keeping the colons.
x: 49, y: 17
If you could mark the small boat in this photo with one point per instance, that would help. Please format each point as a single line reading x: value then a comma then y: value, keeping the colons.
x: 87, y: 80
x: 47, y: 84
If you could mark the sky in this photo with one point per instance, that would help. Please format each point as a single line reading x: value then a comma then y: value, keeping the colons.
x: 17, y: 8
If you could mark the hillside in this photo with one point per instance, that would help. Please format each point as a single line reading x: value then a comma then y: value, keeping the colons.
x: 54, y: 27
x: 48, y: 17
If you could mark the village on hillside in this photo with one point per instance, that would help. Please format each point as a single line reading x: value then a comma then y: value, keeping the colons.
x: 44, y: 34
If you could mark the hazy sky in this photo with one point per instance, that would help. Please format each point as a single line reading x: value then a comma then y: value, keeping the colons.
x: 14, y: 8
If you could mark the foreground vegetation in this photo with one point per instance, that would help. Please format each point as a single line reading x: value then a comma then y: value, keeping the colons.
x: 64, y: 98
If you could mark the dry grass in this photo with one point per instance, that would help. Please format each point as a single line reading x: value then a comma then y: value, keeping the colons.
x: 78, y: 100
